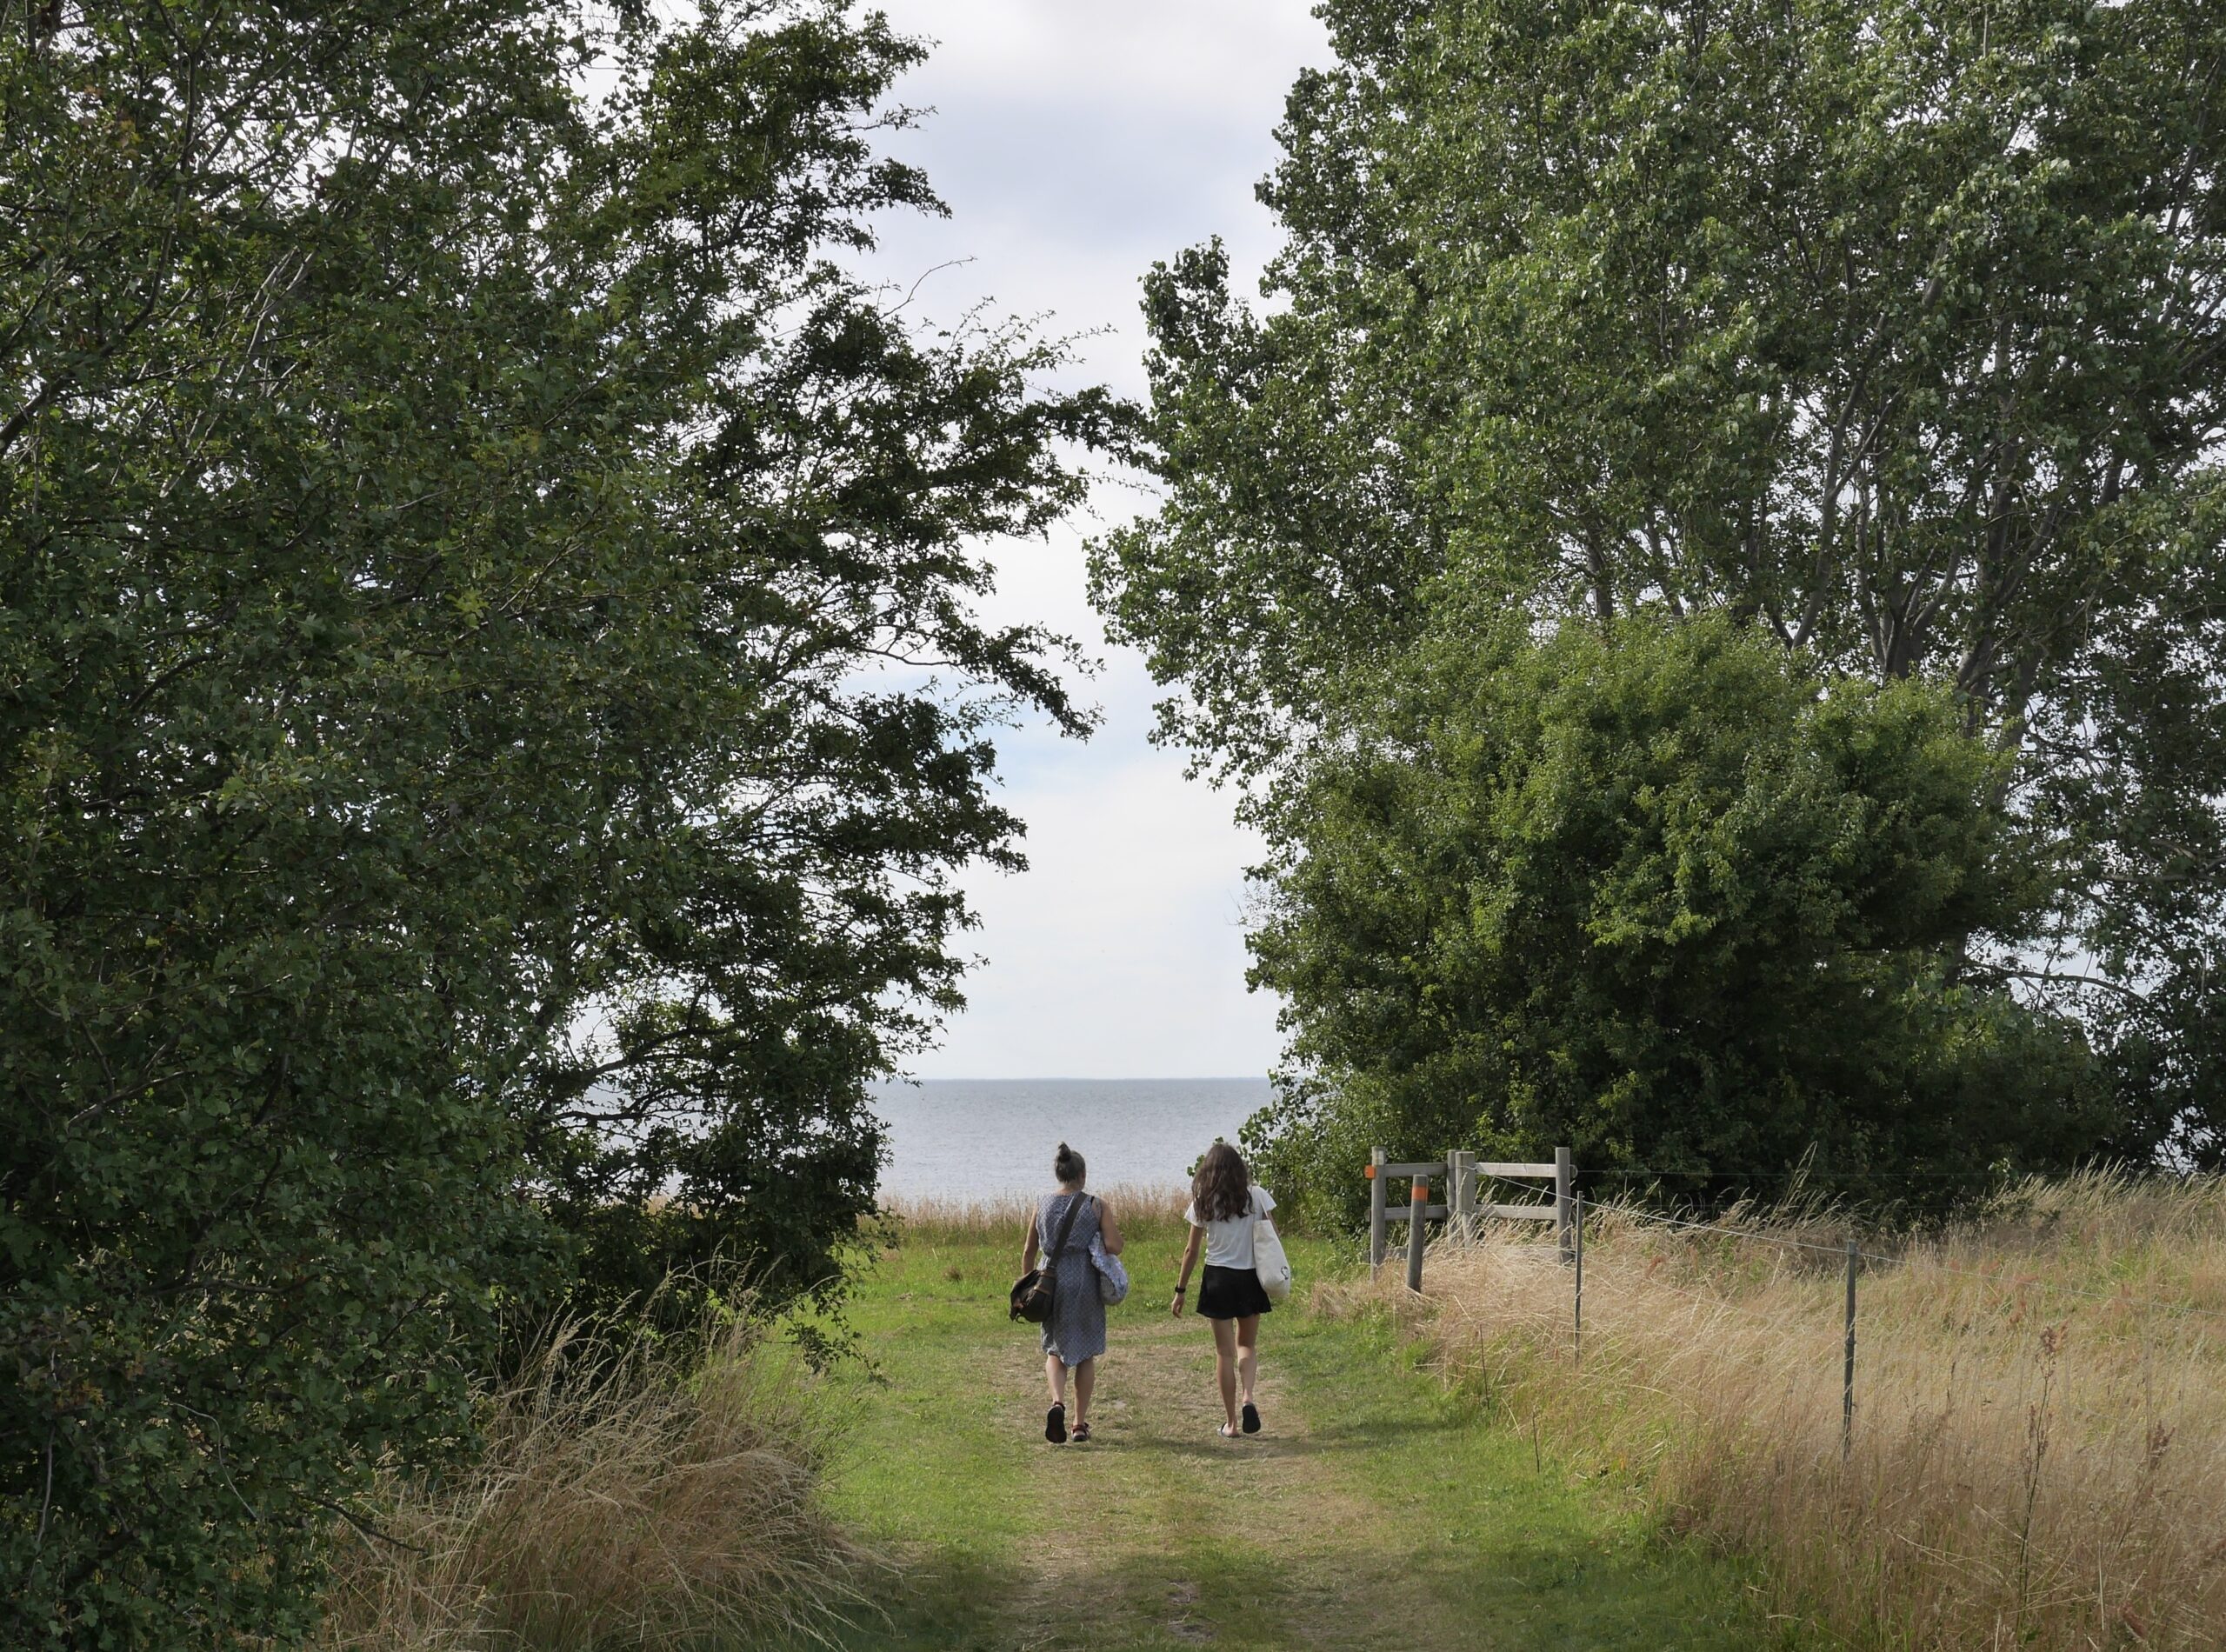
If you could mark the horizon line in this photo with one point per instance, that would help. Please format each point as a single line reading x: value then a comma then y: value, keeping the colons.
x: 1082, y: 1078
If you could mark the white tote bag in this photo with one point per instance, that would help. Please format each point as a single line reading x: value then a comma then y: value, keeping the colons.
x: 1268, y: 1261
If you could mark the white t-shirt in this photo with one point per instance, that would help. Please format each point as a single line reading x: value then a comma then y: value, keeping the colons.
x: 1229, y: 1242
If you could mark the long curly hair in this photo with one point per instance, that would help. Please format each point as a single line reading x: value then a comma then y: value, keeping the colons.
x: 1222, y: 1187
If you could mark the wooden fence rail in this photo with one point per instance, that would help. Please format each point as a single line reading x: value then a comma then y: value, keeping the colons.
x: 1462, y: 1173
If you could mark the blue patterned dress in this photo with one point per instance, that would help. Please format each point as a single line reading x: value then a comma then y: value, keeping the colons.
x: 1075, y: 1331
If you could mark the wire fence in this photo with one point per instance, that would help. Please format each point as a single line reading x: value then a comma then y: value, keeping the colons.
x: 1573, y: 1213
x: 1880, y: 1258
x: 1705, y: 1351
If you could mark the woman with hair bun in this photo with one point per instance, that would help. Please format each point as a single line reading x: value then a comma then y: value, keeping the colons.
x: 1224, y: 1206
x: 1075, y: 1334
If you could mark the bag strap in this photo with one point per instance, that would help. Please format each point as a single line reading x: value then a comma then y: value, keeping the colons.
x: 1066, y: 1227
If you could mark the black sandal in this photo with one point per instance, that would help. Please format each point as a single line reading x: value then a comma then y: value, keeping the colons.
x: 1081, y: 1432
x: 1055, y: 1425
x: 1251, y: 1417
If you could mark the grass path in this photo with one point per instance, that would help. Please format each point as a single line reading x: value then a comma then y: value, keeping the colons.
x: 1375, y: 1510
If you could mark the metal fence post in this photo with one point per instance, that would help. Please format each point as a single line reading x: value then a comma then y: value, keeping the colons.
x: 1417, y: 1219
x: 1565, y: 1180
x: 1847, y: 1381
x: 1578, y: 1353
x: 1376, y: 1217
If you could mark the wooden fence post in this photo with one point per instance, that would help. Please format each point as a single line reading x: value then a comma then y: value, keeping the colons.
x: 1377, y: 1222
x: 1847, y: 1381
x: 1461, y: 1202
x: 1564, y: 1179
x: 1417, y: 1219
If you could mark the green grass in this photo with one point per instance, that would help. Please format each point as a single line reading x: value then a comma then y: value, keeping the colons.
x: 1376, y: 1509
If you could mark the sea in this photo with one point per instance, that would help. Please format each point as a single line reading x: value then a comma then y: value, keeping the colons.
x: 980, y: 1139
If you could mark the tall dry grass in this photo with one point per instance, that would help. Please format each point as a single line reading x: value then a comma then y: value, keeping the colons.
x: 2039, y: 1450
x: 1142, y: 1208
x: 627, y: 1496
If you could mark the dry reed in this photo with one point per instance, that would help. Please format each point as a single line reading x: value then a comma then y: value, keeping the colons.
x: 622, y: 1498
x: 2039, y: 1448
x: 1140, y: 1208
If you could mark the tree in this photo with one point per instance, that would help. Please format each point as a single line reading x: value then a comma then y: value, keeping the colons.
x: 1671, y: 902
x: 469, y: 568
x: 1893, y: 331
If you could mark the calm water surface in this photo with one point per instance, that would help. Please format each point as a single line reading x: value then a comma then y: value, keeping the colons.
x: 975, y: 1138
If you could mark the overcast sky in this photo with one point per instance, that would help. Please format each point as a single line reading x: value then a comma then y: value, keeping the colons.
x: 1076, y: 141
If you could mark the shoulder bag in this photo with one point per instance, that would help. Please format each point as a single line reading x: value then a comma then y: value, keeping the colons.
x: 1268, y: 1261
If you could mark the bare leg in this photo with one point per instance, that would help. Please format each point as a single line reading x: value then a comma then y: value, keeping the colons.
x: 1247, y: 1354
x: 1054, y: 1375
x: 1085, y: 1380
x: 1225, y: 1364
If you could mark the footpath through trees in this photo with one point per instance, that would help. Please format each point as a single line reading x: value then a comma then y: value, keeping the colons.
x: 1376, y: 1509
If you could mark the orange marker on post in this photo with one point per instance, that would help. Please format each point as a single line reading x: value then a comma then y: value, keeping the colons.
x: 1378, y: 1195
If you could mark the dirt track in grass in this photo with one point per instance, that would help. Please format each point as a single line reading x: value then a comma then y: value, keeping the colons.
x: 1374, y: 1509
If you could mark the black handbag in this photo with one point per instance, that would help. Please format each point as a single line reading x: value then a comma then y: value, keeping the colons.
x: 1035, y: 1293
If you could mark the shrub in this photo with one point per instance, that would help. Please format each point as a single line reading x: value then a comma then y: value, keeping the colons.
x: 1672, y: 898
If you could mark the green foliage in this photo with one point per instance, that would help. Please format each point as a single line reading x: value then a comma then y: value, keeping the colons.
x: 1666, y: 900
x: 469, y: 568
x: 1893, y: 329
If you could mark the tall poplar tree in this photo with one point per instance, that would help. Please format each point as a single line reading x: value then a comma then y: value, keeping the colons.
x: 1888, y: 328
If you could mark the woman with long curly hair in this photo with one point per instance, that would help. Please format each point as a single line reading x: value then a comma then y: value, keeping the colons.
x: 1224, y: 1206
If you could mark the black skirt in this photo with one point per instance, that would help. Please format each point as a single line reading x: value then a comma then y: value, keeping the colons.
x: 1232, y: 1293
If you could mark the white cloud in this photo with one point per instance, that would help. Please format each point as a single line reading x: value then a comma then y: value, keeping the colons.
x: 1077, y: 142
x: 1119, y: 952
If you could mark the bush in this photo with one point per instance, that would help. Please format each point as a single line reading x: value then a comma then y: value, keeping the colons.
x: 1669, y: 898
